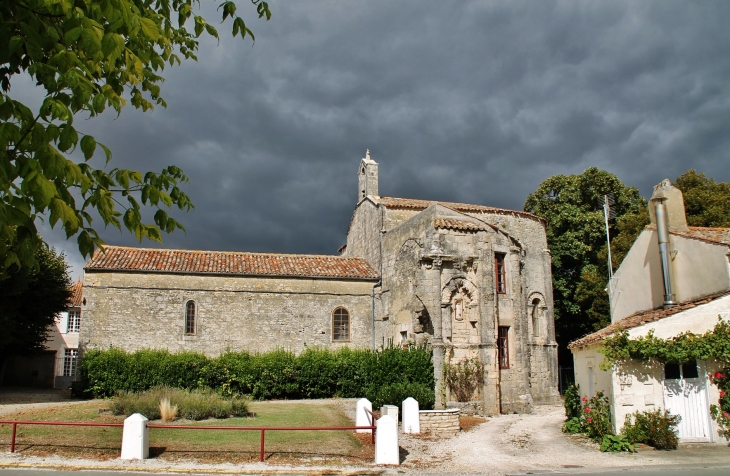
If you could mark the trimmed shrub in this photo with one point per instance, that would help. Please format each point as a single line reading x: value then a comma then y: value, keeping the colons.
x: 394, y: 394
x: 316, y: 373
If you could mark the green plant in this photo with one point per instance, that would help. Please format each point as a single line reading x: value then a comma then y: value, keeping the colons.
x: 464, y: 378
x: 616, y: 444
x: 573, y: 425
x: 191, y: 405
x: 316, y: 373
x: 721, y: 412
x: 572, y: 403
x: 596, y: 417
x: 685, y: 347
x: 655, y: 429
x: 394, y: 394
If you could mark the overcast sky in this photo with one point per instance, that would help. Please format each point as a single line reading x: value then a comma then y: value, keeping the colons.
x: 463, y: 101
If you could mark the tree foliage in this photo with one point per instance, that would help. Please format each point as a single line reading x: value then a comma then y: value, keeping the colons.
x: 577, y: 240
x: 86, y: 56
x: 29, y: 301
x: 706, y: 202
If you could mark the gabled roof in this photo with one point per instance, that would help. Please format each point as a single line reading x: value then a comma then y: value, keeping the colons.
x: 120, y: 258
x: 76, y: 294
x: 417, y: 204
x: 644, y: 317
x: 720, y: 236
x: 459, y: 225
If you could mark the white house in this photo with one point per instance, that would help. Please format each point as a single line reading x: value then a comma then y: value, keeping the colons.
x: 675, y: 279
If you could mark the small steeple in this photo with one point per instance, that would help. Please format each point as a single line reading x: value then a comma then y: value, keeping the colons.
x: 367, y: 176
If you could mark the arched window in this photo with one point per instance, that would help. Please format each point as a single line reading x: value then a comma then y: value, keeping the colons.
x: 536, y: 314
x: 190, y: 316
x: 341, y: 325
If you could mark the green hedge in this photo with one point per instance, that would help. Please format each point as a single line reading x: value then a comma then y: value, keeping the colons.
x: 382, y: 376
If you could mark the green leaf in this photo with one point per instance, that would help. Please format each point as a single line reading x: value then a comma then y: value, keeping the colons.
x: 150, y: 28
x: 112, y: 45
x: 68, y: 139
x: 15, y: 43
x: 88, y: 146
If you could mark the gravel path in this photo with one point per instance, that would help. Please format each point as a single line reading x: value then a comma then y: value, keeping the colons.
x: 509, y: 443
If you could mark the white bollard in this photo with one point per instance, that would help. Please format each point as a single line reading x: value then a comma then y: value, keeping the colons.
x: 411, y: 417
x: 363, y: 418
x: 390, y: 410
x: 386, y: 441
x: 135, y: 438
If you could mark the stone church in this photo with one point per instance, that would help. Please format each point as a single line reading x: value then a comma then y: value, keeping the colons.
x: 469, y: 280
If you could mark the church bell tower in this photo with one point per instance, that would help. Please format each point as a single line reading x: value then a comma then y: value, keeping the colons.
x: 367, y: 176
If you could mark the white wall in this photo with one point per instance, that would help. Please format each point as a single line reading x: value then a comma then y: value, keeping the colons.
x: 698, y: 269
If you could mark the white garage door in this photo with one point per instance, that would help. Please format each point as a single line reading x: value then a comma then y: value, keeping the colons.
x: 685, y: 394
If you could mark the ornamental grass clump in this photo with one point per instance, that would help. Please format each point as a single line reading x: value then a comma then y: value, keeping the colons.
x: 168, y: 412
x: 168, y: 403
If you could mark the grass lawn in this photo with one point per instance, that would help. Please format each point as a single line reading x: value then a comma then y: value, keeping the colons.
x: 202, y: 445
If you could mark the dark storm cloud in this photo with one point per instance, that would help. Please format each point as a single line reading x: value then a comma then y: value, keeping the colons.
x: 471, y: 101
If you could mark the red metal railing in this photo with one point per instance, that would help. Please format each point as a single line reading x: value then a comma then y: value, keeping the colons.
x: 262, y: 429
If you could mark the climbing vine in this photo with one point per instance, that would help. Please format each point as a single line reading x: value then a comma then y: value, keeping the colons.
x: 685, y: 347
x: 681, y: 348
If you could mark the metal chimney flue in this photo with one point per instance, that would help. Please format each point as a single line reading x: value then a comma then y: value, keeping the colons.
x: 663, y: 236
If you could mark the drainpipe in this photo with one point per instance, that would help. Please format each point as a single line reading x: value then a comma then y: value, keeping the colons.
x: 372, y: 315
x: 663, y: 236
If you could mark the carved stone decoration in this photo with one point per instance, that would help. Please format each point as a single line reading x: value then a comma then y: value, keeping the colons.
x: 625, y: 380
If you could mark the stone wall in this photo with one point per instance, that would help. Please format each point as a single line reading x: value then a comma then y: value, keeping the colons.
x: 144, y: 310
x: 441, y: 422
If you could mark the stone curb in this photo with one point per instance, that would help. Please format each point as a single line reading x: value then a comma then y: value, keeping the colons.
x: 91, y: 467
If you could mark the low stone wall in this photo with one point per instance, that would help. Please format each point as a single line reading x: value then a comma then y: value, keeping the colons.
x: 440, y: 421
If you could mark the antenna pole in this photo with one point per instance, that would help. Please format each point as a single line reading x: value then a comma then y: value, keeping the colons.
x: 606, y: 212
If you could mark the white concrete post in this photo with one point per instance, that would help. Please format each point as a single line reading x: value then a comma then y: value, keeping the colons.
x: 363, y: 418
x: 391, y: 410
x: 411, y: 417
x: 135, y: 438
x: 386, y: 441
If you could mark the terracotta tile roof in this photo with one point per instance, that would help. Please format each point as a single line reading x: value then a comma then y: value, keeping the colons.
x: 120, y: 258
x: 76, y: 291
x: 641, y: 318
x: 455, y: 224
x: 416, y: 204
x: 710, y: 235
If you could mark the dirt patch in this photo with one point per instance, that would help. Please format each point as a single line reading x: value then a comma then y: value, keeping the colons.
x: 468, y: 422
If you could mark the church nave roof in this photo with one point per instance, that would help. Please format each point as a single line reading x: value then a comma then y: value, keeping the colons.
x: 121, y: 258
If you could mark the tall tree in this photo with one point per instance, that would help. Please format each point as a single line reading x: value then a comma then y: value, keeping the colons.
x: 87, y: 55
x: 706, y: 202
x: 577, y: 240
x: 29, y: 301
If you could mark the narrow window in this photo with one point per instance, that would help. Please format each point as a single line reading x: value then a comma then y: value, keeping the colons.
x: 74, y: 321
x: 69, y: 362
x: 190, y: 318
x: 536, y: 321
x: 341, y: 324
x: 503, y: 347
x: 500, y: 275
